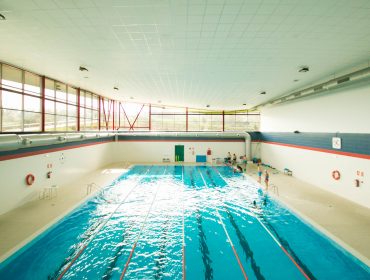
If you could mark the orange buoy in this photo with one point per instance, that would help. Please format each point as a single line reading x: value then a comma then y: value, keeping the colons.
x: 336, y: 175
x: 30, y: 179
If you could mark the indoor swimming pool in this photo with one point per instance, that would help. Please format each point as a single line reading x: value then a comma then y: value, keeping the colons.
x: 182, y: 222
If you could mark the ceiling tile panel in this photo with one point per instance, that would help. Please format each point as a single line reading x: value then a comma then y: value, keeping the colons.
x: 187, y: 52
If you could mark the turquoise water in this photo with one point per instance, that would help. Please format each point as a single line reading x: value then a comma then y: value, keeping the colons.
x: 175, y: 222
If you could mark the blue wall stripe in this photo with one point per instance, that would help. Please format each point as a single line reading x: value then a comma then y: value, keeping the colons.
x: 357, y: 143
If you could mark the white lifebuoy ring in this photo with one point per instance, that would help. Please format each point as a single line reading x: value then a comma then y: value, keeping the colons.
x: 30, y: 179
x: 336, y: 175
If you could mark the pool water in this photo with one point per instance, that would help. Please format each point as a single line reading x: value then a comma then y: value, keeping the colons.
x: 182, y: 222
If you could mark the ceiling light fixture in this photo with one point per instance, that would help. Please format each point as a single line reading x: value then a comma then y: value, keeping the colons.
x: 304, y: 69
x: 2, y: 17
x: 83, y: 68
x: 263, y: 92
x: 208, y: 106
x: 115, y: 88
x: 296, y: 80
x: 244, y: 104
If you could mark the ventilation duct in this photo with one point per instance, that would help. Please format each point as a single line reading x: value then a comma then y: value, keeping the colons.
x: 319, y: 88
x: 10, y: 142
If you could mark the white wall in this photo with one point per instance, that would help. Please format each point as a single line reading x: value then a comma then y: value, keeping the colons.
x: 343, y: 110
x: 142, y: 151
x: 77, y: 162
x: 346, y: 111
x: 317, y: 167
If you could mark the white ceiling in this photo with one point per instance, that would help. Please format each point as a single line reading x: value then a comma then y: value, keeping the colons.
x: 186, y: 53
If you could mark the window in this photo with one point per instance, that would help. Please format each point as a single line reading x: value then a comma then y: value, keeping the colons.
x: 21, y: 104
x: 89, y: 111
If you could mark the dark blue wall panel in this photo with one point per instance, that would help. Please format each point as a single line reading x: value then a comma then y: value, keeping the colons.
x: 358, y: 143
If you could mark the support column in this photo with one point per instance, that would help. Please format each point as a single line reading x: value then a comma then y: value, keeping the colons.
x: 43, y: 104
x: 99, y: 111
x: 78, y: 109
x: 150, y: 117
x: 187, y: 119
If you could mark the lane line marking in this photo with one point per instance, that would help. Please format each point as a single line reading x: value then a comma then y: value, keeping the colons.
x: 277, y: 242
x: 138, y: 236
x: 227, y: 234
x: 183, y: 228
x: 100, y: 228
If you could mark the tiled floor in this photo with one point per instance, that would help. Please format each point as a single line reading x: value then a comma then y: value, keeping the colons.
x: 344, y: 221
x: 19, y: 226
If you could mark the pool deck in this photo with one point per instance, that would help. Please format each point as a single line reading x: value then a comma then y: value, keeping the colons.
x: 345, y: 222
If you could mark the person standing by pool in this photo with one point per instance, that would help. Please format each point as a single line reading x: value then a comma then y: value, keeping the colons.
x: 259, y: 172
x: 267, y: 178
x: 234, y: 159
x: 228, y: 158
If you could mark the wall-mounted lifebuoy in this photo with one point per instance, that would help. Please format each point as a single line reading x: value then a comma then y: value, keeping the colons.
x: 336, y: 175
x: 30, y: 179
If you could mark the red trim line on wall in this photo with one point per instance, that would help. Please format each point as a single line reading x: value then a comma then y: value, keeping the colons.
x: 363, y: 156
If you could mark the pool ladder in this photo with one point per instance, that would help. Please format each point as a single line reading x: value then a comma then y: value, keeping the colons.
x: 275, y: 189
x: 90, y: 187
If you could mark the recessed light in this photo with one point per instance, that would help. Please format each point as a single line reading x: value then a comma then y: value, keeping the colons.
x: 115, y: 88
x: 244, y: 104
x: 2, y: 17
x: 86, y: 77
x: 131, y: 97
x: 208, y: 106
x: 304, y: 69
x: 296, y: 80
x: 83, y: 68
x: 263, y: 92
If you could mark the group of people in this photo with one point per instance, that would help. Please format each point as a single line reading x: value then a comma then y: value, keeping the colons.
x: 229, y: 159
x: 232, y: 160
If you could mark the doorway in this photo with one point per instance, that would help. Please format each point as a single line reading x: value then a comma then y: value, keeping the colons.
x: 179, y: 152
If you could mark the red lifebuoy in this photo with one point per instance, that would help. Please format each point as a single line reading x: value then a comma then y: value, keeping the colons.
x: 30, y: 179
x: 336, y: 175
